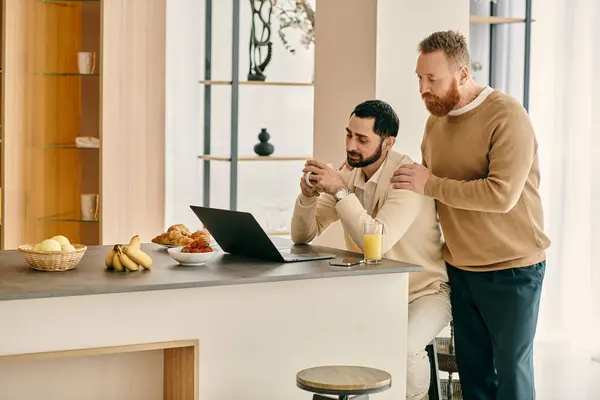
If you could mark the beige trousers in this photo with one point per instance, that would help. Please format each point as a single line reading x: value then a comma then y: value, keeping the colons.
x: 427, y: 316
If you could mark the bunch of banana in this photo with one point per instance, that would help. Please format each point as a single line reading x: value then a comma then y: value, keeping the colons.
x: 129, y: 257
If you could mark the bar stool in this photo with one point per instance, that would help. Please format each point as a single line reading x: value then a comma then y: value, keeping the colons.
x: 346, y: 382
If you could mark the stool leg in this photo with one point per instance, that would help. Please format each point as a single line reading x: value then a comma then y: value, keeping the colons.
x: 435, y: 390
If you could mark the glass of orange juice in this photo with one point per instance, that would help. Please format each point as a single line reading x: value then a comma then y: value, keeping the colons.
x: 373, y: 241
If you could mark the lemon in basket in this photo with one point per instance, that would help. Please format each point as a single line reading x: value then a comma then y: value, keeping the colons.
x: 54, y: 254
x: 61, y: 239
x: 48, y: 245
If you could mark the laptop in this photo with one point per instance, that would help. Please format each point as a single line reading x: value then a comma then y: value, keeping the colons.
x: 238, y: 233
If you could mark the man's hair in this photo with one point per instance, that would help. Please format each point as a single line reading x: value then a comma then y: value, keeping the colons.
x: 453, y: 44
x: 386, y: 121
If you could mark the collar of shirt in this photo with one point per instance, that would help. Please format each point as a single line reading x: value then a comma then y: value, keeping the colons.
x: 359, y: 180
x: 478, y: 100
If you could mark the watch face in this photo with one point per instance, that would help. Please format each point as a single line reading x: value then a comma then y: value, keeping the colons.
x: 340, y: 194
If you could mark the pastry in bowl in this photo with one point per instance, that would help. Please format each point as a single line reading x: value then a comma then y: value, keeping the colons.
x: 179, y: 235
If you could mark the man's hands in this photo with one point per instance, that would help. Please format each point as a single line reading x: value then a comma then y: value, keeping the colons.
x: 323, y: 177
x: 308, y: 191
x: 411, y: 177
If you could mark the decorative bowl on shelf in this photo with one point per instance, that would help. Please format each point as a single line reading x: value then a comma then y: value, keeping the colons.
x: 190, y: 258
x: 52, y: 260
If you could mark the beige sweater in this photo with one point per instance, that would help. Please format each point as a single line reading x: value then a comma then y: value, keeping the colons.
x: 486, y: 180
x: 411, y: 231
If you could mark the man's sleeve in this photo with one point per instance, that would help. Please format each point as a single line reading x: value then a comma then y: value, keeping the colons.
x: 400, y: 210
x: 428, y: 125
x: 513, y: 149
x: 312, y: 216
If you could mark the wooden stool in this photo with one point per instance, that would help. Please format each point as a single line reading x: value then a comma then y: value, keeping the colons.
x: 343, y: 381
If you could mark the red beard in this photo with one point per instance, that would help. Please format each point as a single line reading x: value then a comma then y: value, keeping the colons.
x: 441, y: 106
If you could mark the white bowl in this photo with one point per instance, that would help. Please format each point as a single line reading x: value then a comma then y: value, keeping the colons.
x: 190, y: 258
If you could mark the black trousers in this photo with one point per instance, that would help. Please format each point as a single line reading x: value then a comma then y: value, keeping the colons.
x: 495, y: 317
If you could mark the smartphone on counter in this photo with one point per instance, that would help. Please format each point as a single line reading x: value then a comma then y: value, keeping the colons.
x: 346, y: 262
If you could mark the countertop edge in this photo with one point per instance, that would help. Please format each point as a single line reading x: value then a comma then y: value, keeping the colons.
x: 203, y: 284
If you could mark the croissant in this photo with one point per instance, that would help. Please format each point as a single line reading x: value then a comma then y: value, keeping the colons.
x: 202, y: 237
x: 179, y: 227
x: 180, y: 235
x: 161, y: 239
x: 172, y: 235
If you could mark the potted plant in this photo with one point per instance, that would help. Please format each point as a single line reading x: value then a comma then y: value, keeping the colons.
x: 295, y: 14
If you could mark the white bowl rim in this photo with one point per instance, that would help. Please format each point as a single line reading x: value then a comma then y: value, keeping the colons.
x: 178, y: 250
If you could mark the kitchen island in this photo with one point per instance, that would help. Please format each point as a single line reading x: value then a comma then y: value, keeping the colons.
x: 233, y: 328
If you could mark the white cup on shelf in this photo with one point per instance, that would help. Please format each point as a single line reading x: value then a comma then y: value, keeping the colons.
x: 89, y: 207
x: 86, y: 62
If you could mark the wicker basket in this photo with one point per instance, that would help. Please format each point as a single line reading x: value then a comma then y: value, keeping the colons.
x: 52, y: 260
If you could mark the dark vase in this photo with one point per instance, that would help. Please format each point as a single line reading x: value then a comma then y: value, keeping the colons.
x: 264, y: 148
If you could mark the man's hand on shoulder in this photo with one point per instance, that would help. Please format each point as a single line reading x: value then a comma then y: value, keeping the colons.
x: 326, y: 178
x: 412, y: 177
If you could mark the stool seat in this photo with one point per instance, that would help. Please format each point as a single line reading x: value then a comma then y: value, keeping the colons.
x: 343, y: 380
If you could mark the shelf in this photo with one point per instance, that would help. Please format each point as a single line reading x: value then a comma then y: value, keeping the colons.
x: 260, y: 83
x: 208, y: 157
x: 68, y: 217
x: 482, y: 19
x: 179, y: 361
x: 68, y: 74
x: 68, y: 146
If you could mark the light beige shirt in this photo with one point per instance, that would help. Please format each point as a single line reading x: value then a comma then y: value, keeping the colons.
x: 365, y: 191
x: 411, y: 232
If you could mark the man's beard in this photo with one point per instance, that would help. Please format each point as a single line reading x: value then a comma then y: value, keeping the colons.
x: 360, y: 163
x: 441, y: 106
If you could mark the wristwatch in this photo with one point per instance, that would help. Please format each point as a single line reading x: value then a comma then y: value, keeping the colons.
x: 341, y: 193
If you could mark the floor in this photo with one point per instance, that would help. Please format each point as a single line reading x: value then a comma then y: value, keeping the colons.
x: 564, y: 374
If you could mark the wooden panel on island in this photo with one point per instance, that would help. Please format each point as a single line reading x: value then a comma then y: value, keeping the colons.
x: 180, y: 364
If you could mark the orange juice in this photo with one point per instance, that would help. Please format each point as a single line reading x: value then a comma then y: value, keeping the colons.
x: 373, y: 242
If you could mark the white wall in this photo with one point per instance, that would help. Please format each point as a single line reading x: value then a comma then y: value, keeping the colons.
x: 287, y: 113
x: 184, y: 105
